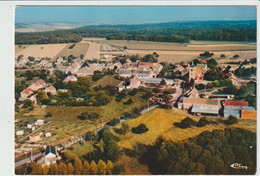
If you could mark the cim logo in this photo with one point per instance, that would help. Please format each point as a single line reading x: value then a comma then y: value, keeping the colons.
x: 238, y: 166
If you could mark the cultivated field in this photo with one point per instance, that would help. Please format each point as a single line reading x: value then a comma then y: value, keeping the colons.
x: 177, y: 52
x: 77, y: 50
x: 47, y: 50
x: 160, y: 123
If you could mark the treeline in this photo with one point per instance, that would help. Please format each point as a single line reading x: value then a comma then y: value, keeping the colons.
x: 46, y: 37
x: 72, y: 165
x: 181, y: 32
x: 209, y: 153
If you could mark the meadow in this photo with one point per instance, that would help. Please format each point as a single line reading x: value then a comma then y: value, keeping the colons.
x: 160, y: 123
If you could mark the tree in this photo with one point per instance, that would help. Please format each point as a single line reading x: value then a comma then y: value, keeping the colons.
x: 111, y: 151
x: 70, y: 169
x: 63, y: 170
x: 86, y: 168
x: 109, y: 167
x: 36, y: 169
x: 222, y: 55
x: 28, y: 104
x: 41, y: 95
x: 78, y: 167
x: 212, y: 62
x: 213, y: 74
x: 45, y: 169
x: 93, y: 168
x: 53, y: 169
x: 101, y: 167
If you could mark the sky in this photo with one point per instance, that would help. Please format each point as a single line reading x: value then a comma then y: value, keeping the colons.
x: 131, y: 14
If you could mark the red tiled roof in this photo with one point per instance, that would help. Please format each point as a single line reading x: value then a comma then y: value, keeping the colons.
x: 235, y: 103
x: 35, y: 135
x: 146, y: 64
x: 40, y: 82
x: 28, y: 90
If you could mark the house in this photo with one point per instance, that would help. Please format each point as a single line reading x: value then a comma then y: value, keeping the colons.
x: 121, y: 86
x: 96, y: 66
x: 205, y: 109
x: 19, y: 133
x: 50, y: 156
x: 25, y: 93
x: 63, y: 90
x: 44, y: 63
x: 39, y: 122
x: 30, y: 124
x: 48, y: 134
x: 73, y: 68
x: 125, y: 73
x: 156, y: 81
x: 187, y: 103
x: 235, y: 81
x: 145, y: 74
x: 35, y: 137
x: 37, y: 85
x: 33, y: 99
x: 84, y: 72
x: 51, y: 89
x: 248, y: 113
x: 192, y: 93
x: 233, y: 107
x: 71, y: 78
x: 135, y: 82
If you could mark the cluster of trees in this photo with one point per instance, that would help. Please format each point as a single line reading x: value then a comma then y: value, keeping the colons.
x: 206, y: 54
x: 217, y: 83
x: 167, y: 71
x: 208, y: 153
x: 88, y: 116
x: 245, y: 72
x: 107, y: 148
x: 46, y: 37
x: 72, y: 165
x: 140, y: 129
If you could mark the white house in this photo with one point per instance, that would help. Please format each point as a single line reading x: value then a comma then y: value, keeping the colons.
x: 19, y: 132
x: 39, y: 122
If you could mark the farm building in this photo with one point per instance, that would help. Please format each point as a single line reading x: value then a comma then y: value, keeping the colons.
x: 248, y: 113
x: 222, y: 96
x: 125, y: 73
x: 233, y: 107
x: 187, y: 103
x: 35, y: 137
x: 51, y: 89
x: 205, y: 109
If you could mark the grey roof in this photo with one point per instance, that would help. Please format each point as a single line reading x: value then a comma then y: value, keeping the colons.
x: 31, y: 122
x: 124, y: 71
x: 50, y: 149
x: 248, y: 108
x: 209, y: 109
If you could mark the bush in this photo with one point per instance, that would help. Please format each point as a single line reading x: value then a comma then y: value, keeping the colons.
x: 128, y: 102
x: 113, y: 122
x: 88, y: 116
x: 48, y: 114
x: 202, y: 122
x: 186, y: 123
x: 140, y: 129
x: 231, y: 120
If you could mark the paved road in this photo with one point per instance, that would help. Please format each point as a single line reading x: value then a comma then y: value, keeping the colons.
x: 26, y: 160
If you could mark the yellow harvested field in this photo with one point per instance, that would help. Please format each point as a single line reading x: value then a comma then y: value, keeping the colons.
x: 93, y: 39
x: 193, y: 46
x: 160, y: 123
x: 77, y: 50
x: 47, y: 50
x: 93, y: 50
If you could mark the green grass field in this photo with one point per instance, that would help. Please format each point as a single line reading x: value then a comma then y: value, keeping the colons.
x: 160, y: 123
x: 81, y: 150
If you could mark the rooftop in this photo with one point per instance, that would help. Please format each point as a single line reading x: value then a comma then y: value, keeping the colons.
x: 235, y: 103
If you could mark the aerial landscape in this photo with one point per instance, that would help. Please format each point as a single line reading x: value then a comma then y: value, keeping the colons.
x: 110, y: 90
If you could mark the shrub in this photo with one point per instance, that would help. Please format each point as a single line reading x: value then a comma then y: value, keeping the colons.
x: 186, y: 123
x: 113, y: 122
x: 88, y: 116
x: 48, y: 114
x: 203, y: 122
x: 128, y: 102
x: 140, y: 129
x: 231, y: 120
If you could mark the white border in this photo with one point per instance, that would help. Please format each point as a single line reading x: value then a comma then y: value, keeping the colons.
x: 7, y: 14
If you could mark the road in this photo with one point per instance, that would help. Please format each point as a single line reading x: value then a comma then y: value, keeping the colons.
x: 26, y: 160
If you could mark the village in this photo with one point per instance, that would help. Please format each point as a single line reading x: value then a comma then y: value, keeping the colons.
x: 188, y: 86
